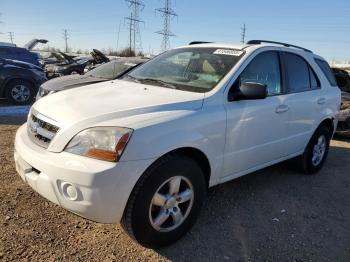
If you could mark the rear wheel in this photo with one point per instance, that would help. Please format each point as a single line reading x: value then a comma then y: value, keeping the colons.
x: 165, y: 202
x: 20, y: 92
x: 316, y: 151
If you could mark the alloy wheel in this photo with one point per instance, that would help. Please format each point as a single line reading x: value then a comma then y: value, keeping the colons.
x: 20, y: 93
x: 319, y: 151
x: 171, y: 204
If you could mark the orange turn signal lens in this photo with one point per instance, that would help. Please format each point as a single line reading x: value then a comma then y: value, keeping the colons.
x: 122, y: 143
x: 102, y: 154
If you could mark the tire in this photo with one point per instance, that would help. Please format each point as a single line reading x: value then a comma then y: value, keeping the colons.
x: 20, y: 92
x: 143, y: 211
x: 316, y: 151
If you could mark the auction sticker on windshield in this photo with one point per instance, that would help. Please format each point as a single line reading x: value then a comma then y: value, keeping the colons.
x: 228, y: 52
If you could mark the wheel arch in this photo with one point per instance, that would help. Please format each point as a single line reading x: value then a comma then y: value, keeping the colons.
x: 194, y: 153
x: 329, y: 123
x: 10, y: 80
x: 198, y: 156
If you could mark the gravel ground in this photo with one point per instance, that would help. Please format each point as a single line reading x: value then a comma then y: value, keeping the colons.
x: 275, y: 214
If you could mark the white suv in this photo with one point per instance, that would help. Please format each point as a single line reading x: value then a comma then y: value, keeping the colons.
x: 143, y: 150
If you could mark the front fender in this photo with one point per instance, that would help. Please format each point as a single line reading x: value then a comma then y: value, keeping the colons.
x: 201, y: 130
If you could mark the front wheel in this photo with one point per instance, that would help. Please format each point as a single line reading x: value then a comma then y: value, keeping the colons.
x: 20, y: 92
x: 165, y: 202
x: 316, y: 151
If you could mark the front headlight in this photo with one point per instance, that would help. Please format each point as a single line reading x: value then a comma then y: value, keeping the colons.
x: 44, y: 92
x: 105, y: 143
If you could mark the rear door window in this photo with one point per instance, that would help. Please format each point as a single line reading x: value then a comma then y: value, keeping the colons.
x: 300, y: 75
x: 327, y: 71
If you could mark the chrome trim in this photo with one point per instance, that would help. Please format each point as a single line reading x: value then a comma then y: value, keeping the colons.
x: 41, y: 129
x: 44, y: 118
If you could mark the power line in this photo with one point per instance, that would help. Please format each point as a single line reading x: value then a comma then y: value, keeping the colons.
x: 134, y: 21
x: 11, y: 36
x: 66, y: 37
x: 167, y: 13
x: 243, y: 33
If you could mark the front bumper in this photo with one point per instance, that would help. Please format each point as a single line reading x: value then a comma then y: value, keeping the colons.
x: 94, y: 189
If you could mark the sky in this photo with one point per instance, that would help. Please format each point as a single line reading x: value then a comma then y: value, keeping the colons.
x: 322, y: 26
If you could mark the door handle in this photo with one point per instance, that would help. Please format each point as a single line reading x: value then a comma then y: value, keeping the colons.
x: 321, y: 101
x: 282, y: 109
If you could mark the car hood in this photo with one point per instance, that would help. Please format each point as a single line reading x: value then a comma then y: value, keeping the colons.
x: 23, y: 64
x: 32, y: 43
x: 90, y: 105
x: 70, y: 81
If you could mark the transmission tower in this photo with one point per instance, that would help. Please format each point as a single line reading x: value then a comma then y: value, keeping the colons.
x: 167, y: 13
x: 134, y: 21
x: 243, y: 33
x: 66, y: 37
x: 11, y: 36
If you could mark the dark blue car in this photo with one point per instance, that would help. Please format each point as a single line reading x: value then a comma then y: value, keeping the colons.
x: 20, y: 81
x: 24, y: 54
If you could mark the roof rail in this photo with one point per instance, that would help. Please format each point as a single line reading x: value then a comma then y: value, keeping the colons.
x: 258, y: 42
x: 199, y: 42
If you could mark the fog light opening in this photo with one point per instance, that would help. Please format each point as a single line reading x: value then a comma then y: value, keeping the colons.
x: 69, y: 191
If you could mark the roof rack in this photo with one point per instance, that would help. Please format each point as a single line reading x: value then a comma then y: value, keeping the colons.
x: 258, y: 42
x: 199, y: 42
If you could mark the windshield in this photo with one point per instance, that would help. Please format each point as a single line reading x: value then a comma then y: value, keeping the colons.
x: 190, y: 69
x: 111, y: 70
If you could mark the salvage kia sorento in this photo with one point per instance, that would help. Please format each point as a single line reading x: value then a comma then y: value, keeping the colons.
x: 144, y: 149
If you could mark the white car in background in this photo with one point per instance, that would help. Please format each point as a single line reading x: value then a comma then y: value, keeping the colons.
x: 143, y: 150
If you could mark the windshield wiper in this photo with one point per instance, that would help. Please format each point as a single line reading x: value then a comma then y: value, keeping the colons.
x: 161, y: 82
x: 133, y: 78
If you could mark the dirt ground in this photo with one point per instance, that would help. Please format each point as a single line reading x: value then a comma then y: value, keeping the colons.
x: 275, y: 214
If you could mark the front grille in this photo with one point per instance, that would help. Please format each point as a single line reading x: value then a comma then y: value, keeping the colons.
x: 40, y: 131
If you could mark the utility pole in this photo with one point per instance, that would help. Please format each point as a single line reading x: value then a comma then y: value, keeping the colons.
x: 167, y: 13
x: 11, y: 36
x: 134, y: 21
x: 66, y: 37
x: 118, y: 36
x: 243, y: 33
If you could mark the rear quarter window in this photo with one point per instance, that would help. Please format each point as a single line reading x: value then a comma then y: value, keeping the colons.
x: 327, y: 71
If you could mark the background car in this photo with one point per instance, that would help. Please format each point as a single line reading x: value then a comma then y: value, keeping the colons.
x: 22, y: 53
x: 99, y: 58
x: 343, y: 81
x: 69, y: 66
x: 104, y: 72
x: 19, y: 81
x: 52, y: 58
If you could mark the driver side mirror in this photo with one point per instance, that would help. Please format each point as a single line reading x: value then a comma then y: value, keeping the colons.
x: 249, y: 91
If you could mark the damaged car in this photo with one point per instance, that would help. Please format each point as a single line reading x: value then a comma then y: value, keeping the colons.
x: 343, y: 81
x: 52, y: 58
x: 99, y: 58
x: 24, y: 53
x: 69, y: 66
x: 104, y: 72
x: 19, y: 81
